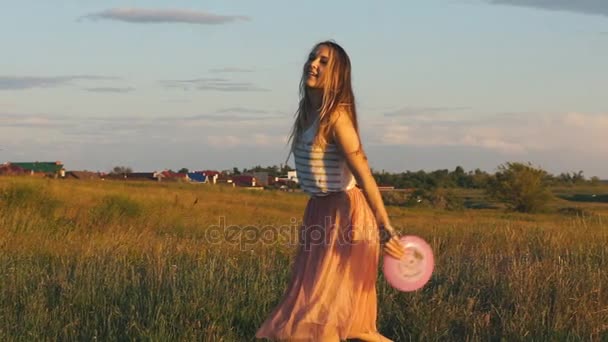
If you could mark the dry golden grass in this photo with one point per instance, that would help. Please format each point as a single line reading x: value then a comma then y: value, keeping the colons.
x: 115, y: 260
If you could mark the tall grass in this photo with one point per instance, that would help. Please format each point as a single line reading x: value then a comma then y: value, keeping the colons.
x: 136, y: 261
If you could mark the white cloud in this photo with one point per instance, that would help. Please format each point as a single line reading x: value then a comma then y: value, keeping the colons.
x: 597, y: 7
x: 14, y: 120
x: 223, y: 141
x: 27, y: 82
x: 423, y: 112
x: 218, y: 84
x: 246, y: 140
x: 110, y: 89
x: 396, y: 135
x: 507, y: 134
x: 491, y: 144
x: 260, y: 139
x: 241, y: 110
x: 230, y: 70
x: 145, y: 16
x: 561, y: 142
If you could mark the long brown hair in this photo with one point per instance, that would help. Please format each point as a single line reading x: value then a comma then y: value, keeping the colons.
x: 337, y: 92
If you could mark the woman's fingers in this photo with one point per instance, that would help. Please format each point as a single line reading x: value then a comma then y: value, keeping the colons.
x: 393, y: 253
x: 394, y: 248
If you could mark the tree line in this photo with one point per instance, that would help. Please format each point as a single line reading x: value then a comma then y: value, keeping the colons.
x: 520, y: 186
x: 476, y: 179
x: 443, y: 178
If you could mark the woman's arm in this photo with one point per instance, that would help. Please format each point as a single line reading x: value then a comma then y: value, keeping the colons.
x: 346, y: 138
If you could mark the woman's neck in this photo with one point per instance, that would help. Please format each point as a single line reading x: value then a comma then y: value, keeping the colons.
x: 316, y: 98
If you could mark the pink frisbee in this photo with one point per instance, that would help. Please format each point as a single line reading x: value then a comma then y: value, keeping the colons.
x: 414, y: 269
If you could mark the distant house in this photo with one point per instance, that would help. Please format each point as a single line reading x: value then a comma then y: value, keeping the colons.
x: 284, y: 183
x: 54, y: 169
x: 292, y: 175
x: 83, y: 175
x: 133, y: 176
x: 159, y: 176
x: 9, y: 169
x: 244, y: 180
x: 291, y: 180
x: 143, y: 176
x: 212, y: 175
x: 114, y: 176
x: 262, y: 178
x: 225, y: 178
x: 196, y: 177
x: 173, y: 176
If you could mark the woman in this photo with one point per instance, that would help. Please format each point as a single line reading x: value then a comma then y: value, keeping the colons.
x: 332, y: 293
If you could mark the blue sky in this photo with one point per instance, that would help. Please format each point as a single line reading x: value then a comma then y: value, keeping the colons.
x: 213, y: 84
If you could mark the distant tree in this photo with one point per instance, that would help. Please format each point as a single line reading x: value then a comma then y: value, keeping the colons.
x: 235, y: 171
x: 479, y: 179
x: 441, y: 179
x: 284, y: 169
x: 579, y: 177
x: 121, y: 170
x: 461, y: 179
x: 521, y: 186
x: 183, y: 170
x: 273, y: 171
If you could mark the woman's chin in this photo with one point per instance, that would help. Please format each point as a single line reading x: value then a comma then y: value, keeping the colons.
x: 312, y: 85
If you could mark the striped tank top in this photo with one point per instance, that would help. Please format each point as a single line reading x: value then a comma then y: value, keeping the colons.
x: 320, y: 171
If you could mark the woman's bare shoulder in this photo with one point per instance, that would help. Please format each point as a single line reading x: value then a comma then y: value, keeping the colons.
x: 342, y: 116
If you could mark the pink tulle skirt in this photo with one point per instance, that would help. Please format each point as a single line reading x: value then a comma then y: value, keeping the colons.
x: 332, y: 292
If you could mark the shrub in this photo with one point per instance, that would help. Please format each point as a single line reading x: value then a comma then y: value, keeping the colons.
x: 521, y: 187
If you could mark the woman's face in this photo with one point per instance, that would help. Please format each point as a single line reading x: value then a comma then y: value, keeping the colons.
x: 316, y: 67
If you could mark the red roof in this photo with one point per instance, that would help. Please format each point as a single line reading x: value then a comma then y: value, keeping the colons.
x: 243, y: 179
x: 209, y: 173
x: 8, y: 169
x: 169, y: 174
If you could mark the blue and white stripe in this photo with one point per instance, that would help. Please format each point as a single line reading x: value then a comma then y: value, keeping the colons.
x: 321, y: 171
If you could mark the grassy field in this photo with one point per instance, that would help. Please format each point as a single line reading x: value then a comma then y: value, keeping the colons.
x: 106, y: 260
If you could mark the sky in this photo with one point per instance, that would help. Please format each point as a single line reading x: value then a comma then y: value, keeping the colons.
x: 156, y: 85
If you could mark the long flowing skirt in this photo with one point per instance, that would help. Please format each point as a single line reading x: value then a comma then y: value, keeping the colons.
x: 332, y: 291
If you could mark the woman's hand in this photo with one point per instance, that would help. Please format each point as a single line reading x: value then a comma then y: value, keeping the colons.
x: 346, y: 137
x: 394, y: 248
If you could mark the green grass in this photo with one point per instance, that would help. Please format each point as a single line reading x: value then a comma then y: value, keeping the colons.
x: 133, y: 261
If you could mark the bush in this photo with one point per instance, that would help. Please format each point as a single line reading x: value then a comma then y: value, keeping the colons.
x: 395, y: 198
x: 521, y: 187
x: 437, y: 198
x: 442, y: 198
